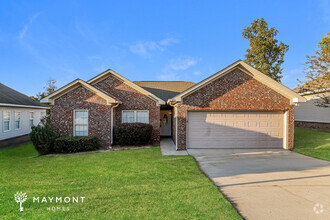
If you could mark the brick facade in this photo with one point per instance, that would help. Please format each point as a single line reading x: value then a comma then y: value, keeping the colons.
x: 320, y: 126
x: 99, y: 114
x: 131, y: 100
x: 236, y: 91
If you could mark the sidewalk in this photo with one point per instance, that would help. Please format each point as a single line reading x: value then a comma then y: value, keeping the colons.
x: 167, y: 147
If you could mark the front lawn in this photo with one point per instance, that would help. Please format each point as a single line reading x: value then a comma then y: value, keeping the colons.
x: 139, y: 184
x: 312, y: 143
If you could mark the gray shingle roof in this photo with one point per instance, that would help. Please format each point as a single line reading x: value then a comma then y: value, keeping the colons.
x: 10, y: 96
x: 165, y: 89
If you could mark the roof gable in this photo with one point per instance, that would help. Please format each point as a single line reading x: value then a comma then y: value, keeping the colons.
x: 106, y: 73
x: 319, y: 85
x: 74, y: 84
x: 286, y: 92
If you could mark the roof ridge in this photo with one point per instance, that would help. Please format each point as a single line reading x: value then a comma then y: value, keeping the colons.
x: 163, y: 81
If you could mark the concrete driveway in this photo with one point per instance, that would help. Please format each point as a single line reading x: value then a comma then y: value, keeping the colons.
x: 269, y: 184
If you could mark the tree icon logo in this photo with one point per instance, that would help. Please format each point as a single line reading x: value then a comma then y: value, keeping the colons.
x: 318, y: 208
x: 20, y: 198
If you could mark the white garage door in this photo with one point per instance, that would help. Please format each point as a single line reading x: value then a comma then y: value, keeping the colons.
x: 235, y: 130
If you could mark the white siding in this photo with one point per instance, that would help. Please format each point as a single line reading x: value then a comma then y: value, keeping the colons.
x: 25, y: 121
x: 308, y: 111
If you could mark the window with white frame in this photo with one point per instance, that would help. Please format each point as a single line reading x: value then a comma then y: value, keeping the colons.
x: 17, y: 120
x: 6, y: 121
x: 80, y: 122
x: 31, y: 119
x: 130, y: 116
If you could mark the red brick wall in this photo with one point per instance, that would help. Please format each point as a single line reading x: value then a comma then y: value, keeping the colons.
x: 99, y: 114
x: 132, y: 100
x: 174, y: 116
x: 236, y: 91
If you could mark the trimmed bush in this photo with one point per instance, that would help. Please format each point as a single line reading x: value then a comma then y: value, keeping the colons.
x: 132, y: 134
x: 43, y: 137
x: 75, y: 144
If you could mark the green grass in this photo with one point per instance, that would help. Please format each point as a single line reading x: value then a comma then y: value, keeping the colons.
x: 312, y: 143
x: 131, y: 184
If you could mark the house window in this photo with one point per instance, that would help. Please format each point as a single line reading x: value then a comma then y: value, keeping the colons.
x: 128, y: 117
x: 141, y: 116
x: 80, y: 122
x: 31, y: 119
x: 17, y: 120
x: 6, y: 121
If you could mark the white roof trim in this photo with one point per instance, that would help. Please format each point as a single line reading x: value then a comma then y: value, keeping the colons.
x: 128, y: 82
x: 74, y: 84
x: 294, y: 97
x: 23, y: 106
x: 314, y: 91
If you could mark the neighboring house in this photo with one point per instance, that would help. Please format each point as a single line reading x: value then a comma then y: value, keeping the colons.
x: 18, y: 113
x: 310, y: 114
x: 237, y: 107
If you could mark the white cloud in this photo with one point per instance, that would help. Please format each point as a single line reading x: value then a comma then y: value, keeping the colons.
x: 170, y: 71
x: 168, y: 42
x: 182, y: 63
x: 168, y: 77
x: 145, y: 48
x: 26, y: 27
x: 197, y: 73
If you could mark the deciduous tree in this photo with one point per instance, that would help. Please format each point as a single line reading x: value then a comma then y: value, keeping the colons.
x: 49, y: 88
x: 265, y: 53
x: 317, y: 71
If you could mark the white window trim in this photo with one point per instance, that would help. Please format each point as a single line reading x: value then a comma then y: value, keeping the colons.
x: 32, y: 118
x: 135, y: 111
x: 20, y: 120
x: 3, y: 121
x: 74, y: 122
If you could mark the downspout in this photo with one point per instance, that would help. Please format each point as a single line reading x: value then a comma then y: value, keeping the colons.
x: 112, y: 118
x: 176, y: 124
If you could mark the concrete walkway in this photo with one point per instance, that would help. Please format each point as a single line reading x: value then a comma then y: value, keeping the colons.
x: 167, y: 147
x: 269, y: 184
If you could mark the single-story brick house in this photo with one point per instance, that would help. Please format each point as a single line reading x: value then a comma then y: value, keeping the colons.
x: 237, y: 107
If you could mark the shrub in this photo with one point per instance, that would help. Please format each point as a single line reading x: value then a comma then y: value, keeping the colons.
x: 132, y: 134
x: 75, y: 144
x: 43, y: 137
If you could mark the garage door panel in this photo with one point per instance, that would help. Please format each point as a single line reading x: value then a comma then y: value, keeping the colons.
x: 235, y: 130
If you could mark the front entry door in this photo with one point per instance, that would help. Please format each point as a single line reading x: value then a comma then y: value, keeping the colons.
x: 165, y: 123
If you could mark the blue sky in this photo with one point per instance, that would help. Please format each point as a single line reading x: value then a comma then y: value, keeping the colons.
x: 145, y: 40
